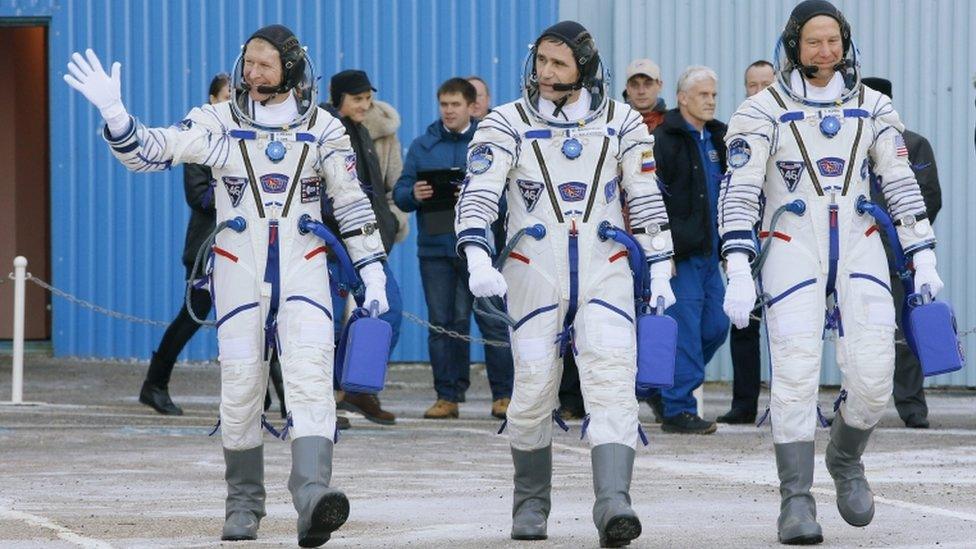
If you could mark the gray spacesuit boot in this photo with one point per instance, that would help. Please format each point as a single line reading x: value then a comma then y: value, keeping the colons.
x: 797, y: 524
x: 244, y: 474
x: 854, y: 498
x: 533, y: 484
x: 321, y: 509
x: 617, y: 523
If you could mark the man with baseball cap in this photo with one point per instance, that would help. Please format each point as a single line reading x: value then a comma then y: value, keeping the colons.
x: 643, y: 90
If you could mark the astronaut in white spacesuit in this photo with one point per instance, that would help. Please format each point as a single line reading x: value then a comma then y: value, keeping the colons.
x: 270, y: 148
x: 811, y: 136
x: 563, y: 153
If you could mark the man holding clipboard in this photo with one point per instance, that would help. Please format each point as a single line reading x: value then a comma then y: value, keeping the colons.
x: 432, y: 176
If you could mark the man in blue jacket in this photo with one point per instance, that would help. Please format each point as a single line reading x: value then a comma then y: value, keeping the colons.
x: 691, y: 157
x: 444, y: 274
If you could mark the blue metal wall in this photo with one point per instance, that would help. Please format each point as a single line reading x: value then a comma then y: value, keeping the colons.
x: 924, y: 47
x: 118, y: 237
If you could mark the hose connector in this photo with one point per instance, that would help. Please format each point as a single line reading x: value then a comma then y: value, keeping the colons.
x: 237, y: 224
x: 797, y: 207
x: 537, y: 231
x: 606, y: 231
x: 304, y: 224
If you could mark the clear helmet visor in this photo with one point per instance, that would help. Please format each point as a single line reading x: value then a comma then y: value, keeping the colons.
x: 849, y: 67
x: 305, y: 93
x: 597, y: 87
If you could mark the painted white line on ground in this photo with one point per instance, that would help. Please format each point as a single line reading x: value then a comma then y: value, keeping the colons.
x: 62, y: 532
x: 719, y: 471
x: 913, y: 506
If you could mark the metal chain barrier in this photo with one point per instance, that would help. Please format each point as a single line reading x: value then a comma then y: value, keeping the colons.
x: 90, y: 305
x: 406, y: 314
x: 451, y: 333
x: 130, y: 318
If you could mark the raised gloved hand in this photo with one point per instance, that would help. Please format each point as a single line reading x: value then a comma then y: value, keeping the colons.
x: 740, y: 295
x: 925, y: 273
x: 375, y: 280
x: 661, y: 283
x: 104, y: 91
x: 484, y: 279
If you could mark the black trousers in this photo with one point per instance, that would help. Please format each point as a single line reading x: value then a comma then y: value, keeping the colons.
x: 909, y: 394
x: 176, y: 337
x: 570, y: 394
x: 746, y: 366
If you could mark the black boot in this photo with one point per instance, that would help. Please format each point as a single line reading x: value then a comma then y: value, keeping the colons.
x: 157, y: 398
x: 737, y: 416
x: 155, y: 389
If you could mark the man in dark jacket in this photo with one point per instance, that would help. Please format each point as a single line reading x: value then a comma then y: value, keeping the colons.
x: 444, y: 274
x: 199, y: 197
x: 744, y: 343
x: 690, y: 152
x: 351, y: 96
x: 909, y: 394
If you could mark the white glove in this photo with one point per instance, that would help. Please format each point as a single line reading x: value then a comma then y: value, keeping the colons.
x: 661, y: 283
x: 104, y: 91
x: 375, y: 280
x: 484, y: 279
x: 740, y: 295
x: 925, y: 273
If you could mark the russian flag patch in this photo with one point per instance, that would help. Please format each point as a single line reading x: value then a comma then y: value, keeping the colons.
x: 647, y: 161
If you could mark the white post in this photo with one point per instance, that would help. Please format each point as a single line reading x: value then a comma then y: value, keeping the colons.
x: 20, y: 279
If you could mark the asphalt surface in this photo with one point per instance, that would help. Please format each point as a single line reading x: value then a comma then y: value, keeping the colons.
x: 92, y: 467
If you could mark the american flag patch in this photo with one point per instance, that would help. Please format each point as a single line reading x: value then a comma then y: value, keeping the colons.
x: 647, y: 162
x: 900, y: 148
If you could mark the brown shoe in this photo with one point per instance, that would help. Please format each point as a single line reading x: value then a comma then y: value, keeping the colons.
x: 442, y: 409
x: 368, y: 405
x: 500, y: 407
x: 567, y: 414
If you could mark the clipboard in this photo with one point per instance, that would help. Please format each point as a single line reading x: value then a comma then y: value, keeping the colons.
x: 438, y: 210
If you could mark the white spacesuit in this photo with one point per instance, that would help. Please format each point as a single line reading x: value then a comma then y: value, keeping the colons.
x: 826, y: 269
x: 569, y: 291
x: 270, y: 280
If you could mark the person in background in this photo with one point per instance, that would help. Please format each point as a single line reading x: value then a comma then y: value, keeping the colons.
x: 351, y: 97
x: 382, y: 122
x: 908, y: 391
x: 445, y: 276
x: 482, y: 103
x: 759, y: 75
x: 690, y: 150
x: 198, y: 190
x: 744, y: 343
x: 643, y: 92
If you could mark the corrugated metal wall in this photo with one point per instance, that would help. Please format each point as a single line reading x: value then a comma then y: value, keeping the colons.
x: 924, y: 47
x: 118, y: 237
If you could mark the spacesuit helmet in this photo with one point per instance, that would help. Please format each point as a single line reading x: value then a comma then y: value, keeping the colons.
x: 297, y: 76
x: 787, y: 54
x: 592, y: 76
